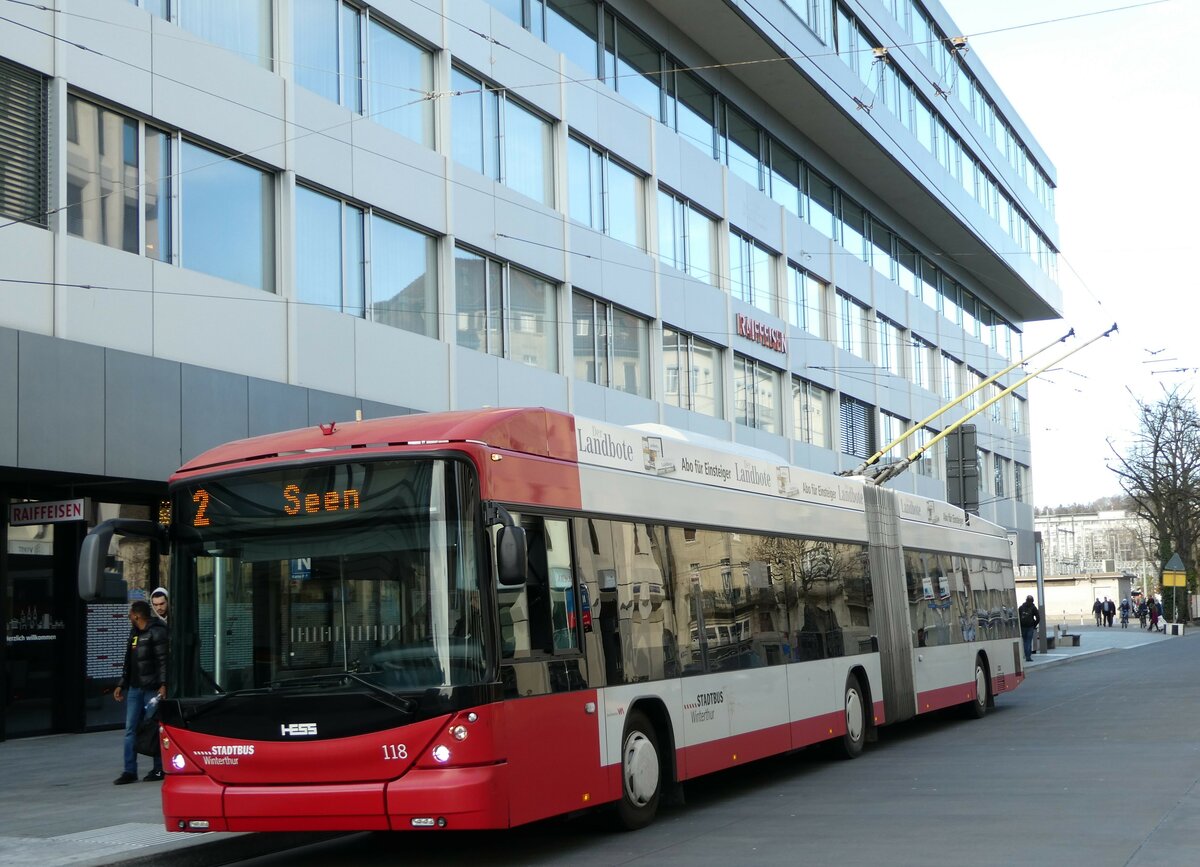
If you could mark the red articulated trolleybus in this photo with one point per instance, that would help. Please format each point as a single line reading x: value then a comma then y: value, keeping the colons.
x: 479, y: 619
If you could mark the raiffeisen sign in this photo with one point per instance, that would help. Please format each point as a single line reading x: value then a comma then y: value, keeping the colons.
x: 752, y: 329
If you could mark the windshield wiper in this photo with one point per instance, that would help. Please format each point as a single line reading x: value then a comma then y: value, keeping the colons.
x: 222, y: 697
x: 384, y: 696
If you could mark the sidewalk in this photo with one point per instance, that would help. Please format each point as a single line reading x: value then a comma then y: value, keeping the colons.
x: 1096, y: 639
x: 58, y: 804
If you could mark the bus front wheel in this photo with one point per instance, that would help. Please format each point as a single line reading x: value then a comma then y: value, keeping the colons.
x: 641, y: 773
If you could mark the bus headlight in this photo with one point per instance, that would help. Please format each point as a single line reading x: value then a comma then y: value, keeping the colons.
x: 441, y: 754
x: 459, y: 732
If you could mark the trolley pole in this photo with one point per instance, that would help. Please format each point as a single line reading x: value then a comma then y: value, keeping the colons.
x: 1041, y: 590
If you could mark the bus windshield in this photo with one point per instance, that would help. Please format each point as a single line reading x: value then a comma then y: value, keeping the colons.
x: 360, y: 574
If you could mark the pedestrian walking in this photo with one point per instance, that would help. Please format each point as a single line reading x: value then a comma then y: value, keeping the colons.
x: 1098, y: 611
x: 143, y: 684
x: 1155, y: 615
x: 1029, y: 617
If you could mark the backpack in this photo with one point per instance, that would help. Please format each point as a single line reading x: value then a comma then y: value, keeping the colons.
x: 1027, y: 614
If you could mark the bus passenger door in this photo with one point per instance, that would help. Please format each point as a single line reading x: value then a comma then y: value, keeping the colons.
x: 553, y: 721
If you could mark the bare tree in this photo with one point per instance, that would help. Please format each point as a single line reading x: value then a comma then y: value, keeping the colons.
x: 1160, y: 473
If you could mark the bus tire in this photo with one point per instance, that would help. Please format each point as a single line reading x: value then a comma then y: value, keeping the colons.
x: 855, y: 737
x: 641, y: 773
x: 977, y: 707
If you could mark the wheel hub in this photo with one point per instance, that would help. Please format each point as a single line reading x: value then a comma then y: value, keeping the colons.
x: 641, y: 769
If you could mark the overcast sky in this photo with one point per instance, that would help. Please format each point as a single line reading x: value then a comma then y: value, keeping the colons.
x: 1112, y: 98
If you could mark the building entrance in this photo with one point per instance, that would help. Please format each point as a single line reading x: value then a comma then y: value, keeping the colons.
x: 33, y: 641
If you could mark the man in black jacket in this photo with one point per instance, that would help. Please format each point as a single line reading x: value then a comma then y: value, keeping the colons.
x: 143, y: 683
x: 1029, y: 618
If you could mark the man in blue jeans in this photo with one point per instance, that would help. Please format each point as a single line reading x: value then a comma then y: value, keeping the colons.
x: 143, y: 682
x: 1029, y: 617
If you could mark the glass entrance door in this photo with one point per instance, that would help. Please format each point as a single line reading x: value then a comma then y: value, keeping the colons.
x: 32, y: 637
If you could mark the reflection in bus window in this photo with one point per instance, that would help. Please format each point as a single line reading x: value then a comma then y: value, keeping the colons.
x: 539, y: 617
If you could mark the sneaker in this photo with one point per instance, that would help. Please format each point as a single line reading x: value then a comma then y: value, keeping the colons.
x: 125, y: 778
x: 153, y: 777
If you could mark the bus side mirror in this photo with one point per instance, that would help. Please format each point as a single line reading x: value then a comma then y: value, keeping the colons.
x: 510, y: 556
x: 94, y: 552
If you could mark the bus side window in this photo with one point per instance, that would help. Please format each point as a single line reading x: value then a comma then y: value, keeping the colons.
x: 540, y: 617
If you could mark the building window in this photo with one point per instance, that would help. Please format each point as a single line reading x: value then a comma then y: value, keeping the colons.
x: 890, y: 428
x: 806, y: 301
x: 103, y: 172
x: 692, y: 373
x: 1000, y: 471
x: 882, y: 259
x: 604, y: 194
x: 995, y: 412
x: 756, y: 394
x: 686, y: 237
x: 1021, y: 483
x: 951, y: 378
x: 328, y: 49
x: 810, y: 407
x: 399, y: 76
x: 23, y: 144
x: 891, y: 340
x: 633, y: 66
x: 692, y: 109
x: 927, y: 463
x: 334, y: 242
x: 853, y: 330
x: 858, y: 427
x: 612, y: 346
x: 784, y: 175
x: 497, y: 136
x: 241, y: 26
x: 1020, y: 415
x: 812, y: 13
x: 741, y: 144
x: 505, y: 311
x: 572, y: 27
x: 852, y: 227
x: 819, y: 202
x: 330, y: 256
x: 751, y: 272
x: 948, y: 300
x: 227, y: 218
x: 922, y: 363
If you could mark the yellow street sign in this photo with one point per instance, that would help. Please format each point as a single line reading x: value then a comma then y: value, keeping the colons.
x: 1174, y: 579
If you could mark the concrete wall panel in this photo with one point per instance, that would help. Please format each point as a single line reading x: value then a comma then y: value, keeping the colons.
x: 276, y: 406
x: 115, y: 305
x: 215, y: 408
x: 9, y: 391
x: 61, y: 405
x: 27, y: 290
x: 142, y: 423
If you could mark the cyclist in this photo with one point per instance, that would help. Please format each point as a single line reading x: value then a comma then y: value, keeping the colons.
x: 1124, y: 613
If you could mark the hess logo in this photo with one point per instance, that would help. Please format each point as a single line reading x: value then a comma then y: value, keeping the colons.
x: 298, y: 730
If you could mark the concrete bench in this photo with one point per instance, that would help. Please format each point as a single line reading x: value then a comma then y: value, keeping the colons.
x: 1069, y: 640
x: 1050, y: 640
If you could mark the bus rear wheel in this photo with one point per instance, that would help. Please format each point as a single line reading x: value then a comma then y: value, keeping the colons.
x: 641, y: 773
x: 851, y: 746
x: 977, y: 707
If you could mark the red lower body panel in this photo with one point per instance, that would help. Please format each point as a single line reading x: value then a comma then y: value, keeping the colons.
x: 306, y: 808
x: 946, y: 696
x: 465, y: 798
